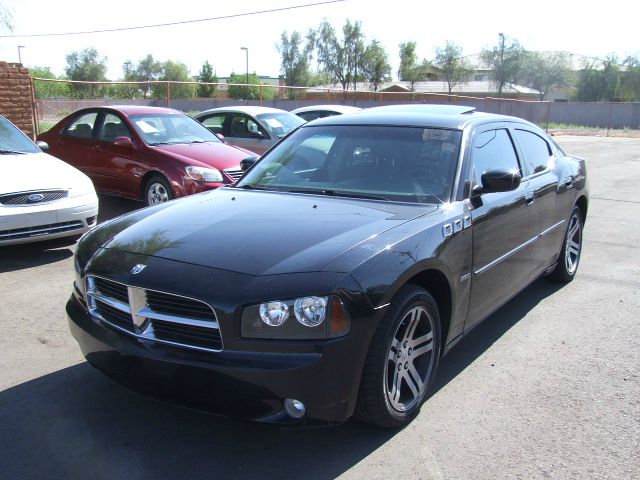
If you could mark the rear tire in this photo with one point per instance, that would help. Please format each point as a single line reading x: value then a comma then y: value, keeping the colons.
x: 157, y: 190
x: 569, y: 258
x: 402, y: 360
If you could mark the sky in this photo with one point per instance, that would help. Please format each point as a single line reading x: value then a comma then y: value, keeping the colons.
x: 542, y: 25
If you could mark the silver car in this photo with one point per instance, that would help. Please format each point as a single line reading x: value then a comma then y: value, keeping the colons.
x: 312, y: 112
x: 254, y: 128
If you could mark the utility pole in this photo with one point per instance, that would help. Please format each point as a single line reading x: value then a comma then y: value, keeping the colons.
x: 501, y: 79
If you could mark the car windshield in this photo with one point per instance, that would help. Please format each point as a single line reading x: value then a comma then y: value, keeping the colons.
x: 407, y: 164
x: 169, y: 129
x: 279, y: 124
x: 12, y: 140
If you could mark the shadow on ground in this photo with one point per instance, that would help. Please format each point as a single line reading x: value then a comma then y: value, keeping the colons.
x: 75, y: 423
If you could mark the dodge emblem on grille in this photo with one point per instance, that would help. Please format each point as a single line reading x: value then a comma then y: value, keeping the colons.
x: 138, y: 268
x: 36, y: 197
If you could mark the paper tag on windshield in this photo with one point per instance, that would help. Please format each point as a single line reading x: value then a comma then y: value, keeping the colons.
x: 273, y: 123
x: 146, y: 127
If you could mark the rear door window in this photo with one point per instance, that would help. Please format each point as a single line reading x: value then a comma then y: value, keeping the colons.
x: 82, y: 127
x: 215, y: 123
x: 536, y: 151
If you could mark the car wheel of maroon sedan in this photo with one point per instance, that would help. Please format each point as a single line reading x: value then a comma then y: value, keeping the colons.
x: 157, y: 190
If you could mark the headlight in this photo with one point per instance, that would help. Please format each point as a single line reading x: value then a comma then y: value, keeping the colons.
x: 201, y: 174
x: 315, y: 318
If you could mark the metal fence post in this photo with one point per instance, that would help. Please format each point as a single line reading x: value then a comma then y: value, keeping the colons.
x: 168, y: 95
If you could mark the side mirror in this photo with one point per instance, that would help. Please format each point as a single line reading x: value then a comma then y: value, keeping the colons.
x: 248, y: 162
x: 498, y: 180
x: 44, y: 146
x: 256, y: 134
x: 220, y: 136
x: 123, y: 142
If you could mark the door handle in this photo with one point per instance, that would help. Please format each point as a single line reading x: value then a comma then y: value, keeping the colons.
x: 529, y: 198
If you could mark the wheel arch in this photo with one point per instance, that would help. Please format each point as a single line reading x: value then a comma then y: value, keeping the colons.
x: 583, y: 203
x: 156, y: 173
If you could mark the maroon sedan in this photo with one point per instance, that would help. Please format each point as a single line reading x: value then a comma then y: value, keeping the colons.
x: 149, y: 153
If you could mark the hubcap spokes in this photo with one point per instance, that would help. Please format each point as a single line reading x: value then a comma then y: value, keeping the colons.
x: 410, y: 360
x: 157, y: 194
x: 573, y: 244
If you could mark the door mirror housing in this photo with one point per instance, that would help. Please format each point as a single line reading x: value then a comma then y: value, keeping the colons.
x: 44, y: 146
x: 123, y: 142
x: 498, y: 180
x: 248, y: 162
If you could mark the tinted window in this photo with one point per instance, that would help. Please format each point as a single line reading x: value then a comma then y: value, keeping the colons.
x: 493, y: 149
x: 215, y: 123
x: 112, y: 128
x: 535, y: 150
x: 395, y: 163
x: 82, y: 127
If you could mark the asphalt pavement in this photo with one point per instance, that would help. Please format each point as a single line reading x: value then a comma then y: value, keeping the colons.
x: 547, y: 387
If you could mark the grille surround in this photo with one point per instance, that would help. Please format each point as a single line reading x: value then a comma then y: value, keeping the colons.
x: 21, y: 199
x: 157, y: 320
x: 234, y: 174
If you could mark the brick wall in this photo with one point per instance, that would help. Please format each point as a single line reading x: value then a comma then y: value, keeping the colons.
x: 15, y: 96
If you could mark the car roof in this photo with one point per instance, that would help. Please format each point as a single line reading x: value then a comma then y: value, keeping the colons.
x: 437, y: 116
x: 327, y: 108
x: 131, y: 110
x: 249, y: 109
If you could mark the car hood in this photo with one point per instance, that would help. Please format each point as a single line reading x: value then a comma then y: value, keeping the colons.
x: 261, y: 233
x: 217, y: 155
x: 37, y: 171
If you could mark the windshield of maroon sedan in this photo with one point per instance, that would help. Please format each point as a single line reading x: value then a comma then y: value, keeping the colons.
x: 408, y: 164
x: 13, y: 140
x: 167, y: 129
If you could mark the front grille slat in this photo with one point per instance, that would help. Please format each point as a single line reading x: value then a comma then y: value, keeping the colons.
x: 40, y: 230
x: 234, y: 174
x: 22, y: 198
x: 174, y: 319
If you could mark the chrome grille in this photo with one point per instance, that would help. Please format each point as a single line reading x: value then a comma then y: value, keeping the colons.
x: 33, y: 197
x: 40, y: 230
x: 233, y: 173
x: 152, y: 315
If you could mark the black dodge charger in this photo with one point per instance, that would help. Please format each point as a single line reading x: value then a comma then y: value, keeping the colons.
x: 330, y: 280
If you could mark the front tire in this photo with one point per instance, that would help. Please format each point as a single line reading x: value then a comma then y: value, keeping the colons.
x: 157, y: 190
x: 569, y: 258
x: 402, y: 360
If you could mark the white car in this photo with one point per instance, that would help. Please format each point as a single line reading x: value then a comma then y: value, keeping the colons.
x: 41, y: 197
x: 320, y: 111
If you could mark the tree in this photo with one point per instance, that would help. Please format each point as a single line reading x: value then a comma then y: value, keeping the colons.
x: 48, y: 89
x: 86, y: 66
x: 253, y: 92
x: 147, y: 70
x: 596, y: 84
x: 410, y: 70
x: 340, y: 58
x: 453, y: 67
x: 630, y: 79
x: 545, y: 71
x: 296, y: 57
x: 207, y: 75
x: 375, y: 65
x: 175, y: 72
x: 505, y: 61
x: 6, y: 19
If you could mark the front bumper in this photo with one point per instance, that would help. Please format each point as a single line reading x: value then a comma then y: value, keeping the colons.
x: 247, y: 384
x: 33, y: 223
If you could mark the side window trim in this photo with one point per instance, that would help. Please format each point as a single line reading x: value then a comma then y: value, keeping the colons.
x: 522, y: 154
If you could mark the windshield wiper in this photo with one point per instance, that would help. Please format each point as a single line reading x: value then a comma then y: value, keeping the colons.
x: 338, y: 193
x: 248, y: 186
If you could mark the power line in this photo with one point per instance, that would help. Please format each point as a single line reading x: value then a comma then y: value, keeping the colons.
x: 224, y: 17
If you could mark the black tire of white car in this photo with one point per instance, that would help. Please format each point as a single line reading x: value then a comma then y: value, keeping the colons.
x: 569, y: 257
x: 402, y: 360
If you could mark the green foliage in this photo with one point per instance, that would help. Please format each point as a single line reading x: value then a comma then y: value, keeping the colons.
x: 6, y: 19
x: 207, y: 75
x: 148, y: 69
x: 252, y: 92
x: 341, y: 58
x: 630, y: 79
x: 86, y: 66
x: 296, y: 57
x: 174, y: 72
x: 375, y: 65
x: 505, y: 61
x: 451, y: 64
x: 410, y: 70
x: 545, y: 71
x: 48, y: 89
x: 596, y: 84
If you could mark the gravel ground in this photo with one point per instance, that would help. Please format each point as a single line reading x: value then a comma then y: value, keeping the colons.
x: 548, y: 387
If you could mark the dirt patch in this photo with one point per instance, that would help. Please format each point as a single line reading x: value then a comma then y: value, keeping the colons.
x: 595, y: 132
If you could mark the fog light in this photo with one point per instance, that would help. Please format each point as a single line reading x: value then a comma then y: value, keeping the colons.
x: 294, y: 408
